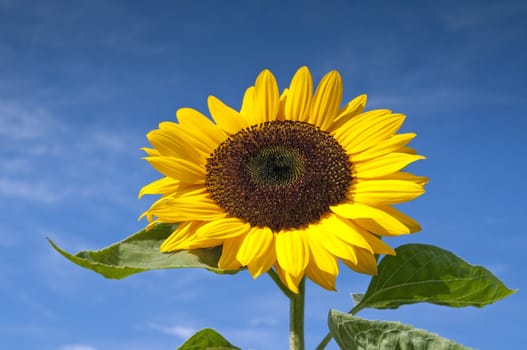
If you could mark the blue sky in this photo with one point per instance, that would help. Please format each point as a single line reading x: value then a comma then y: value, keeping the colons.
x: 82, y: 82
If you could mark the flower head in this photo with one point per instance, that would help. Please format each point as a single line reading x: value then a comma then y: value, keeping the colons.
x: 291, y: 181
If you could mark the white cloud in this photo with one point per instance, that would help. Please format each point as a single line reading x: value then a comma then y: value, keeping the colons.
x: 465, y: 16
x: 264, y: 321
x: 28, y: 190
x: 419, y: 102
x: 256, y: 339
x: 179, y: 331
x: 21, y: 122
x: 43, y: 133
x: 109, y: 141
x: 15, y: 165
x: 36, y: 139
x: 77, y: 347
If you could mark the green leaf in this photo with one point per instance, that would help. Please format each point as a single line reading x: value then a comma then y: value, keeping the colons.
x: 357, y: 298
x: 353, y: 333
x: 207, y: 339
x: 425, y: 273
x: 140, y: 252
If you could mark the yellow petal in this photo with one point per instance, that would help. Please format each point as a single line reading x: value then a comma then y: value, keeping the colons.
x: 352, y: 108
x: 222, y: 229
x: 342, y: 132
x: 164, y: 203
x: 326, y: 100
x: 262, y: 263
x: 326, y: 237
x: 385, y: 192
x: 412, y: 225
x: 163, y: 142
x: 373, y: 219
x: 191, y: 139
x: 366, y: 262
x: 248, y: 106
x: 200, y: 127
x: 368, y: 129
x: 150, y: 225
x: 266, y: 97
x: 154, y: 205
x: 281, y: 108
x: 420, y: 180
x: 377, y: 245
x: 373, y: 226
x: 188, y: 208
x: 199, y: 244
x: 163, y: 186
x: 299, y: 96
x: 384, y: 165
x: 393, y: 144
x: 321, y: 258
x: 182, y: 233
x: 322, y: 268
x: 169, y: 143
x: 287, y: 279
x: 322, y: 278
x: 151, y: 151
x: 228, y: 253
x: 344, y: 231
x: 292, y: 251
x: 178, y: 169
x: 256, y: 242
x: 226, y: 118
x: 408, y: 150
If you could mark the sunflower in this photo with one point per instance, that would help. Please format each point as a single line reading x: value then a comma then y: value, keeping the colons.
x: 292, y: 181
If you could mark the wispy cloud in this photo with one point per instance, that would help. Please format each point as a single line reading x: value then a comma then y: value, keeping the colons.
x: 26, y: 190
x: 77, y: 347
x: 180, y: 331
x: 108, y: 141
x: 264, y: 321
x: 46, y: 158
x: 22, y: 122
x: 15, y: 165
x: 257, y: 338
x: 52, y: 270
x: 464, y: 15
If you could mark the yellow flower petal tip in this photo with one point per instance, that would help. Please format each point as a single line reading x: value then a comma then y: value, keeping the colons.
x: 293, y: 182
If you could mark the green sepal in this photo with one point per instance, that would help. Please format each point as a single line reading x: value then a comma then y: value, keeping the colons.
x: 207, y: 339
x: 425, y: 273
x: 140, y: 252
x: 354, y: 333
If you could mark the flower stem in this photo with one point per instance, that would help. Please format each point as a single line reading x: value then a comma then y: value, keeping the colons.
x: 296, y: 318
x: 324, y: 342
x: 296, y: 311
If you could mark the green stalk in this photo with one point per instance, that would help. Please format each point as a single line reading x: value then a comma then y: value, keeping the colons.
x: 296, y: 311
x: 296, y: 318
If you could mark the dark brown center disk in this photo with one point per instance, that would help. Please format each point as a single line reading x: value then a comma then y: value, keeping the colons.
x: 279, y: 174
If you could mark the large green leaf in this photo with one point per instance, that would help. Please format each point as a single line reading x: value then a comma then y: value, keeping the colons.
x: 354, y: 333
x: 140, y: 252
x: 425, y: 273
x: 207, y: 339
